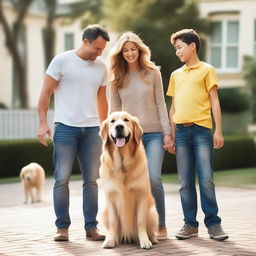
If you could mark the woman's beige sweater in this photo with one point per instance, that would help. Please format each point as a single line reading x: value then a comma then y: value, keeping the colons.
x: 143, y: 99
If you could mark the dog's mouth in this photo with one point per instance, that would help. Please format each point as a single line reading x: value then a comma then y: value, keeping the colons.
x: 120, y: 141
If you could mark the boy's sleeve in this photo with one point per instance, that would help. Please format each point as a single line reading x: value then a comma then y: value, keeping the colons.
x: 171, y: 87
x: 211, y: 79
x: 54, y: 70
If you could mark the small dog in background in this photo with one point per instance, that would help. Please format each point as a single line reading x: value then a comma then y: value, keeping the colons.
x: 33, y: 178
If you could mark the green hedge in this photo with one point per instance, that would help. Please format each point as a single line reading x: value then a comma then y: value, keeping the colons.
x: 238, y: 152
x: 15, y: 154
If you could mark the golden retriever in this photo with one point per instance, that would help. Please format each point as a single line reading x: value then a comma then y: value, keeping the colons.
x: 130, y: 214
x: 33, y: 178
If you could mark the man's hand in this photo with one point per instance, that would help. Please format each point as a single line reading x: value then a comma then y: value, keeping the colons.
x: 44, y: 129
x: 218, y: 140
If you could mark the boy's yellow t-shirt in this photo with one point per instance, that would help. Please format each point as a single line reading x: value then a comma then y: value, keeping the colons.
x: 190, y: 88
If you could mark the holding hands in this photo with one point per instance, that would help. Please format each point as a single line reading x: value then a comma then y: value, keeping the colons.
x: 169, y: 143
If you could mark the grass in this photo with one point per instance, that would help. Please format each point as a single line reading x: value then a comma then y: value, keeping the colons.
x: 239, y: 178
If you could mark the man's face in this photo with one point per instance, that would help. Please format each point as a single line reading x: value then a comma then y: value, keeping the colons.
x: 94, y: 48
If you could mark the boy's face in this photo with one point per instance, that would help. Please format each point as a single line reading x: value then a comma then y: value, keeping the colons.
x: 184, y: 51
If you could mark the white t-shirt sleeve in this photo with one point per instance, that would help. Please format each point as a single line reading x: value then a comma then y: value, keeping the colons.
x: 105, y: 78
x: 54, y: 70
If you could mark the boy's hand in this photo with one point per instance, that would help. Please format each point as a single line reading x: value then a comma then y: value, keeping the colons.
x: 218, y: 140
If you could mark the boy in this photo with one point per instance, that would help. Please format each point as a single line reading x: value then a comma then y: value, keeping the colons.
x: 194, y: 91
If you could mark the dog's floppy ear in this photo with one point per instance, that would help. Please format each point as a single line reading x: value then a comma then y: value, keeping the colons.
x: 22, y: 174
x: 104, y: 133
x: 137, y: 130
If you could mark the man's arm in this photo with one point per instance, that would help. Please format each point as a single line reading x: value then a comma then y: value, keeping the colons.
x: 218, y: 140
x: 49, y: 86
x: 102, y: 104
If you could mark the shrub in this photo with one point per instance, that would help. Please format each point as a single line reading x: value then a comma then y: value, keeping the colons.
x: 234, y: 100
x: 17, y: 153
x: 238, y: 152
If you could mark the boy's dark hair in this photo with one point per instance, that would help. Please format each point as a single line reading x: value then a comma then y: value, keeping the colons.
x: 187, y: 36
x: 92, y: 32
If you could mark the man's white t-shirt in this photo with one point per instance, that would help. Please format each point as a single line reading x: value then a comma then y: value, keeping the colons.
x: 76, y: 94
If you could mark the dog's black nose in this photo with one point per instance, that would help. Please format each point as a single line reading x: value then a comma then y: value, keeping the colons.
x: 119, y: 127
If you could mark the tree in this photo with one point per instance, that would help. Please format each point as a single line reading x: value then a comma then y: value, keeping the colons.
x: 49, y: 32
x: 155, y: 21
x: 12, y: 35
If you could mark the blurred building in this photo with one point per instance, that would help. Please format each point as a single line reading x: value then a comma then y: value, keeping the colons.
x: 233, y: 36
x: 68, y: 36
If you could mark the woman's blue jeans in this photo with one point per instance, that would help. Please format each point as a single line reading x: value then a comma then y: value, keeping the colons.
x: 194, y: 153
x: 153, y: 143
x: 69, y: 143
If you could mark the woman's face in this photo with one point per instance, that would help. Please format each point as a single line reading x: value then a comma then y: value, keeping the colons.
x: 130, y: 52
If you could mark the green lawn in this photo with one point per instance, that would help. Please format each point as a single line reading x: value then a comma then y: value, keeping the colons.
x: 241, y: 178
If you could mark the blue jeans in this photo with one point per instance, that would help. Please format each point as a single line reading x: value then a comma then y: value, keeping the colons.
x: 194, y: 153
x: 69, y: 143
x: 153, y: 143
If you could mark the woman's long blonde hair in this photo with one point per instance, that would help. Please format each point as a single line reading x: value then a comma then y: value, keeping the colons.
x: 118, y: 67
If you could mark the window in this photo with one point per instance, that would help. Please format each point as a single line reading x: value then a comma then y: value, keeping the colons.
x: 69, y: 41
x: 254, y: 41
x: 224, y: 44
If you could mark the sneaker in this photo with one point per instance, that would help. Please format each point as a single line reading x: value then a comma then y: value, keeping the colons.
x: 162, y: 233
x: 216, y: 232
x: 186, y: 232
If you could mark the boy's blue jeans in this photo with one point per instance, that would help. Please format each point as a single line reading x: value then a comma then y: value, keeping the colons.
x: 194, y: 153
x: 153, y: 143
x: 84, y: 143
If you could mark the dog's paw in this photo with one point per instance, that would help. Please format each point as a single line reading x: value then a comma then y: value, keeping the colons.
x: 108, y: 243
x: 154, y: 240
x: 145, y: 244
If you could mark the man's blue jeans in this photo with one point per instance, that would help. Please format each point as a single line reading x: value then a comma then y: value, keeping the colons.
x: 69, y: 143
x: 194, y: 153
x: 153, y: 143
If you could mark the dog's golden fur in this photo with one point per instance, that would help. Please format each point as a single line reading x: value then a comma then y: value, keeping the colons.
x: 33, y: 178
x: 130, y: 213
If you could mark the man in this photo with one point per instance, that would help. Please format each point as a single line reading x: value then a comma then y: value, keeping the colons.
x: 78, y: 80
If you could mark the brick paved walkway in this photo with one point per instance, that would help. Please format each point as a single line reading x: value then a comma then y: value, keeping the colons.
x: 28, y: 229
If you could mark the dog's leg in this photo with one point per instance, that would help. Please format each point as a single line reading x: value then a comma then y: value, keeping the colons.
x: 26, y: 194
x: 111, y: 238
x: 38, y: 194
x: 142, y: 212
x: 152, y: 225
x: 32, y: 194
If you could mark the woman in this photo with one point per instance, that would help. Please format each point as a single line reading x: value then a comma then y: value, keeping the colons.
x: 136, y: 87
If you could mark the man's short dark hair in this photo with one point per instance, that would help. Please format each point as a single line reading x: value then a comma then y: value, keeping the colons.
x: 92, y: 32
x: 187, y: 36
